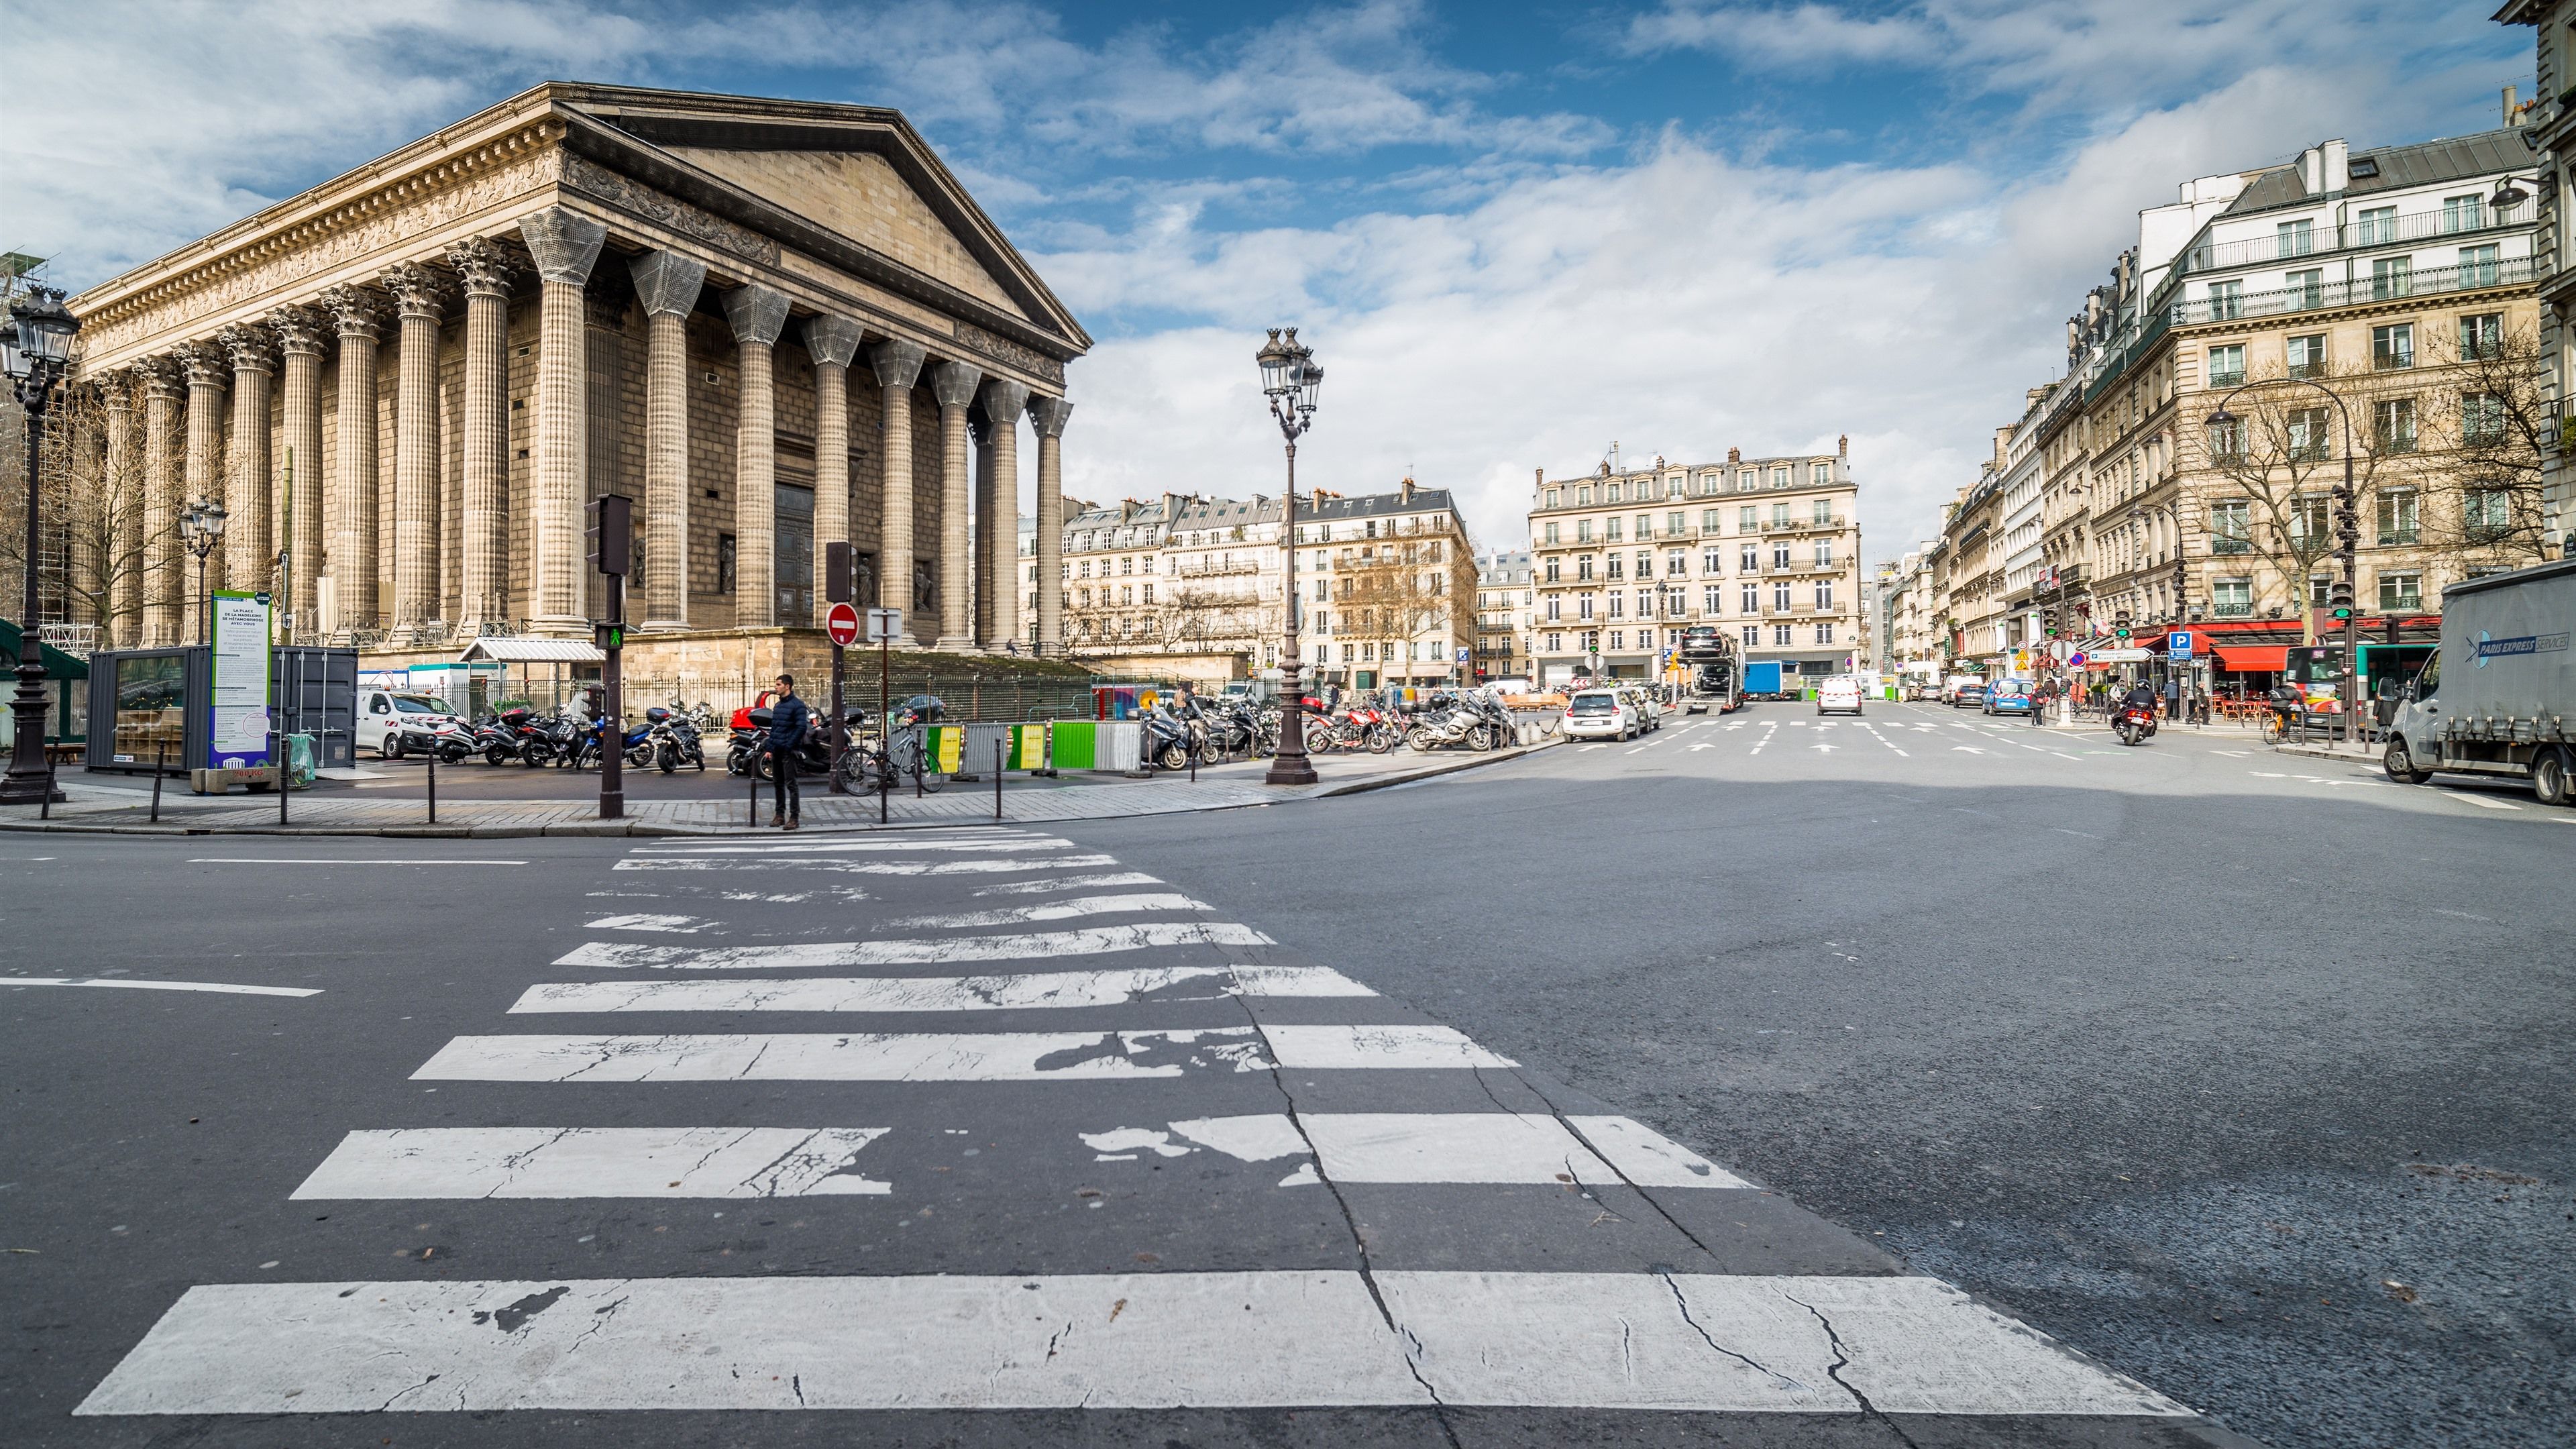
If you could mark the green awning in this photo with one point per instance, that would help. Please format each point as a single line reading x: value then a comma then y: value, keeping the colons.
x: 58, y: 665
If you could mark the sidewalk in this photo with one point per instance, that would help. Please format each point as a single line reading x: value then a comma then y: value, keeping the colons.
x: 96, y: 809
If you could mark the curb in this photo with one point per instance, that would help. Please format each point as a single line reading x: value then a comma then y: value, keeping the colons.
x: 598, y: 828
x: 2326, y: 752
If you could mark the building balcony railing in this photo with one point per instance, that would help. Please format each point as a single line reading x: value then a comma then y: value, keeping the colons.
x: 2361, y: 291
x: 1832, y: 523
x: 2231, y: 611
x: 1209, y: 571
x: 2376, y: 232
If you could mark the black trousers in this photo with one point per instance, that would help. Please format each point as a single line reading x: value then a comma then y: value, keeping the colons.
x: 782, y: 779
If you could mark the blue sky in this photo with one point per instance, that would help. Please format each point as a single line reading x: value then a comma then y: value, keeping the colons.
x: 1515, y: 234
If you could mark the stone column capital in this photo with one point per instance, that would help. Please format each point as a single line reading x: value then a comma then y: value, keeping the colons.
x: 483, y: 264
x: 667, y: 283
x: 357, y: 311
x: 897, y: 363
x: 251, y: 347
x: 833, y: 340
x: 298, y: 330
x: 954, y: 383
x: 418, y: 291
x: 758, y: 314
x: 208, y: 364
x: 564, y: 243
x: 161, y: 377
x: 1047, y: 415
x: 1003, y: 400
x: 116, y: 389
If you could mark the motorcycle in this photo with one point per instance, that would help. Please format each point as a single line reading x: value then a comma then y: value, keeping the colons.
x: 748, y: 750
x: 447, y: 739
x: 1448, y: 722
x: 671, y: 740
x: 1167, y: 744
x: 496, y: 737
x: 2134, y: 723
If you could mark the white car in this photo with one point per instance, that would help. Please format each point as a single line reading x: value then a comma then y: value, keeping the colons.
x: 1599, y: 714
x: 383, y: 714
x: 1648, y: 710
x: 1838, y: 692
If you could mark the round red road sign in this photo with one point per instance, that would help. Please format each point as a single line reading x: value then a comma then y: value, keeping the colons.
x: 842, y: 623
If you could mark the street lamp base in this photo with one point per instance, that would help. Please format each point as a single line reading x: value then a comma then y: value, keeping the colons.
x: 30, y: 790
x: 1297, y: 770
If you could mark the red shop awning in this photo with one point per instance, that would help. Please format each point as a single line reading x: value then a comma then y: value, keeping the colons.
x: 2253, y: 658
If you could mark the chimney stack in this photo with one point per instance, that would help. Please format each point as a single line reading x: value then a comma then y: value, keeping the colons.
x: 1404, y: 494
x: 2512, y: 106
x: 1842, y: 446
x: 1735, y: 455
x: 2337, y: 163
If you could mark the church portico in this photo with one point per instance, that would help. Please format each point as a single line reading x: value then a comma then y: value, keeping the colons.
x: 770, y: 323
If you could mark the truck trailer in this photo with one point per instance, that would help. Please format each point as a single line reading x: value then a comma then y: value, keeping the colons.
x: 2499, y: 695
x: 1762, y: 679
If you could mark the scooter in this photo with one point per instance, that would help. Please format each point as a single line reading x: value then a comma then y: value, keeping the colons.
x: 2134, y: 723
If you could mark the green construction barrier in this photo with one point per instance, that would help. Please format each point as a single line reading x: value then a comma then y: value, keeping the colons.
x: 1077, y: 743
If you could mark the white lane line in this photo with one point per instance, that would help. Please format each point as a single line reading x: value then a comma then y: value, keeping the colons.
x: 1107, y: 1341
x: 940, y: 993
x: 676, y: 925
x: 319, y: 860
x: 978, y: 846
x: 874, y: 867
x: 121, y: 984
x: 2480, y: 801
x: 1088, y: 941
x: 2238, y: 754
x: 1068, y: 883
x: 671, y: 1162
x: 1449, y: 1147
x: 1026, y: 1056
x: 1063, y: 910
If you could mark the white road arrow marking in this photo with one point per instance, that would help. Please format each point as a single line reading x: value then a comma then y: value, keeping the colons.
x: 1971, y: 749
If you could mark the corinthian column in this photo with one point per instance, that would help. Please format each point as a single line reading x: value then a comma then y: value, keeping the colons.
x: 419, y: 296
x: 897, y: 365
x: 758, y: 316
x: 357, y: 313
x: 833, y: 341
x: 483, y: 553
x: 954, y: 384
x: 207, y: 366
x: 299, y: 336
x: 1047, y: 418
x: 997, y: 513
x: 668, y: 285
x: 566, y: 246
x: 162, y: 588
x: 249, y: 546
x: 121, y: 517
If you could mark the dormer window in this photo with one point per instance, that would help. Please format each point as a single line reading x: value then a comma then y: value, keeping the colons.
x: 2363, y: 168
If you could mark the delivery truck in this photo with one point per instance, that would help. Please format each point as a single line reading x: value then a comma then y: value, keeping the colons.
x: 2498, y: 696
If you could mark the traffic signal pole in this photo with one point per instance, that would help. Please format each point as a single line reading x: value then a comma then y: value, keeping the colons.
x: 612, y: 541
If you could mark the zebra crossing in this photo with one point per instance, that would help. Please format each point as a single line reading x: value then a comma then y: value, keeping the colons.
x: 1189, y: 1170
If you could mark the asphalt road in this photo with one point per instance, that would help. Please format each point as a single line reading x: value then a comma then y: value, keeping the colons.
x: 2246, y: 1078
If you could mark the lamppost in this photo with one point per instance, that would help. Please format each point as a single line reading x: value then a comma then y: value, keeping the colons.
x: 2181, y: 583
x: 37, y: 355
x: 1290, y: 378
x: 202, y: 529
x: 2222, y: 425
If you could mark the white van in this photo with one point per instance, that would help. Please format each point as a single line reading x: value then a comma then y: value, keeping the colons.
x: 1839, y: 691
x: 383, y: 713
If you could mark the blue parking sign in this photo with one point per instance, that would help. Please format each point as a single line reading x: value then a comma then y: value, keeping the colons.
x: 2178, y: 644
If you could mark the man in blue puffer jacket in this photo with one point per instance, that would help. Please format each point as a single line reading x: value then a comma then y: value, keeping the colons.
x: 788, y: 722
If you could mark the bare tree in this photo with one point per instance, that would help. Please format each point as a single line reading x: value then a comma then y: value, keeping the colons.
x: 2284, y: 450
x: 2482, y: 500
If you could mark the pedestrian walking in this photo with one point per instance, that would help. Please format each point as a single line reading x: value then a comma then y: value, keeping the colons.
x: 789, y: 719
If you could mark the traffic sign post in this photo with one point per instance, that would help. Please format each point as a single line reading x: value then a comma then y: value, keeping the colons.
x: 612, y: 544
x: 841, y: 624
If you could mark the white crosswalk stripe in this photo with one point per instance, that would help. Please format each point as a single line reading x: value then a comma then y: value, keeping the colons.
x: 1202, y: 1074
x: 1032, y: 990
x: 1106, y: 1341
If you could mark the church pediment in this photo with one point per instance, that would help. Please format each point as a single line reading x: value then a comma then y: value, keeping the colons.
x: 861, y: 197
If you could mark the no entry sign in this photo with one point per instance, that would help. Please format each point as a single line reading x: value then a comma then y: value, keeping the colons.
x: 842, y: 623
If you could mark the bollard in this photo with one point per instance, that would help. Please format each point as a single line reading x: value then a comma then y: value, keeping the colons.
x: 921, y: 757
x: 433, y: 785
x: 45, y: 810
x: 160, y: 756
x: 753, y: 771
x: 885, y: 765
x: 997, y: 782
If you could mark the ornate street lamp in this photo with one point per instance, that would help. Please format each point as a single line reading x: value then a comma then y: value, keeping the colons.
x: 202, y: 527
x: 1290, y: 378
x: 38, y: 351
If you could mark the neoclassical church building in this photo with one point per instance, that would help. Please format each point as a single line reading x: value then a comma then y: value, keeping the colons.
x: 773, y: 324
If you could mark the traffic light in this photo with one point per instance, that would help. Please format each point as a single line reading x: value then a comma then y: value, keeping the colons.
x: 611, y: 533
x: 608, y: 636
x: 2339, y: 599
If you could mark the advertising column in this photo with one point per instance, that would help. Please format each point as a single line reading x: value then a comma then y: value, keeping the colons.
x: 237, y: 732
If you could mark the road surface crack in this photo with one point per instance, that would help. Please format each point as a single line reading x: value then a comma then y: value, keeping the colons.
x: 1350, y: 1223
x: 1834, y: 1371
